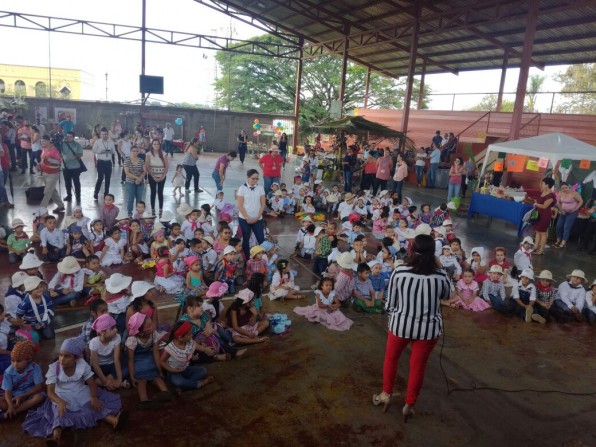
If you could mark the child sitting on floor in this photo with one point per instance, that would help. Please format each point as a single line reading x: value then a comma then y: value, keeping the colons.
x: 22, y: 382
x: 53, y: 241
x: 466, y: 294
x: 226, y: 268
x: 165, y: 275
x: 77, y: 246
x: 449, y: 263
x: 74, y: 400
x: 493, y: 291
x: 113, y: 249
x: 524, y: 295
x: 105, y: 353
x: 522, y: 259
x: 326, y: 308
x: 282, y: 283
x: 364, y: 294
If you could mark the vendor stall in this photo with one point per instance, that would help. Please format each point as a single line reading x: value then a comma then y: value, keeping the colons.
x: 499, y: 208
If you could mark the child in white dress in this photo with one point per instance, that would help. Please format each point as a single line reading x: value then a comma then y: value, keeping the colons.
x: 178, y: 180
x: 113, y: 250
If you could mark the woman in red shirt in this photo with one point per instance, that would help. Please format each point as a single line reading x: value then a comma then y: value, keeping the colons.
x: 50, y: 172
x: 271, y: 165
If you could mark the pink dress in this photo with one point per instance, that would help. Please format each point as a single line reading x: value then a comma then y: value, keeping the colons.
x: 334, y: 320
x: 467, y: 290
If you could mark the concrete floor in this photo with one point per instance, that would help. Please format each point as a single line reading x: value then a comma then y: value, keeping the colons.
x: 313, y: 386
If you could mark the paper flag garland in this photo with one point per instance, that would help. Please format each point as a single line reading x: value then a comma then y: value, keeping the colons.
x: 516, y: 163
x: 584, y: 164
x: 532, y: 165
x: 543, y: 162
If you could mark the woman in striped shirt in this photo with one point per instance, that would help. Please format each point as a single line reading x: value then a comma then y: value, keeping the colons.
x: 415, y: 289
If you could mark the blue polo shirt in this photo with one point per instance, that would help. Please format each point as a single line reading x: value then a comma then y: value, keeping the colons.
x: 25, y: 310
x: 68, y: 126
x: 20, y: 383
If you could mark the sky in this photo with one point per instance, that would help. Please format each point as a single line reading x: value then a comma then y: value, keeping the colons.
x: 189, y: 73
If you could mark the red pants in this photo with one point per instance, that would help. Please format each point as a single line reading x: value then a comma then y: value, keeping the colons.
x: 421, y: 350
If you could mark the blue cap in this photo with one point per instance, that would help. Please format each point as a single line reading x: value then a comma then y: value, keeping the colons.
x: 76, y: 229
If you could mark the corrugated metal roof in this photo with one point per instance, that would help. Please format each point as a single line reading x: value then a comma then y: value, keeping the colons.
x: 454, y: 35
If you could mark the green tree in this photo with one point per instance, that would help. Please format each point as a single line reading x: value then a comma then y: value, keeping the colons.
x: 534, y: 86
x: 488, y: 103
x: 578, y: 78
x: 251, y: 83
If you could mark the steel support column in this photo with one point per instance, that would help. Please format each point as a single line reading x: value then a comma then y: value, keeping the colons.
x: 518, y: 109
x: 421, y: 91
x: 143, y: 41
x: 411, y: 69
x: 367, y: 88
x: 502, y: 83
x: 344, y: 66
x: 297, y: 98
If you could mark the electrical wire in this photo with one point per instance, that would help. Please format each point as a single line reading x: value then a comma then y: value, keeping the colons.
x: 475, y: 387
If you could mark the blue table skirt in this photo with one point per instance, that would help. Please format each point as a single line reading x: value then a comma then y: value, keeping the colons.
x: 508, y: 210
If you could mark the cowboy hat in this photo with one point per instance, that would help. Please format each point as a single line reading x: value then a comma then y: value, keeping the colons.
x: 545, y: 274
x: 528, y: 273
x: 346, y: 260
x: 18, y: 279
x: 217, y: 289
x: 529, y: 240
x: 348, y: 196
x: 423, y: 228
x: 496, y: 269
x: 306, y: 219
x: 447, y: 222
x: 209, y: 240
x: 117, y: 282
x: 578, y: 273
x: 409, y: 233
x: 69, y: 265
x: 140, y: 288
x: 245, y: 295
x: 148, y: 215
x: 440, y: 230
x: 184, y: 209
x: 30, y: 261
x: 17, y: 223
x: 229, y: 249
x: 32, y: 282
x: 256, y: 250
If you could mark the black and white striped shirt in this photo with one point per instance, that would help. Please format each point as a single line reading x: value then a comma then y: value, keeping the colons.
x: 413, y: 303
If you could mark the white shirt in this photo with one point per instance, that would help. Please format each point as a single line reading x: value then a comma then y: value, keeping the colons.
x: 62, y: 281
x: 571, y: 296
x: 589, y: 303
x: 56, y: 238
x: 168, y: 134
x: 105, y: 353
x: 252, y: 200
x: 103, y: 149
x: 344, y: 209
x: 531, y: 288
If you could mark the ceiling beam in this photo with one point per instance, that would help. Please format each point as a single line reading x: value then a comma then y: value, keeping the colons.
x: 152, y: 35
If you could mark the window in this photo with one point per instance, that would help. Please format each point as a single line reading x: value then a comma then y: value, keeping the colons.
x: 2, y: 86
x: 20, y: 88
x: 41, y: 90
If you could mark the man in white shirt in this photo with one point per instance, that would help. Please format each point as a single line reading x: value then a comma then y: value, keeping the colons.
x: 104, y: 149
x: 251, y: 202
x: 168, y: 140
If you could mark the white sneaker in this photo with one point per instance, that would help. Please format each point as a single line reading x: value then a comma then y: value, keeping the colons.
x: 538, y: 318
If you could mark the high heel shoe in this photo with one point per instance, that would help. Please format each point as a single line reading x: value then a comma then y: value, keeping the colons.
x: 382, y: 398
x: 408, y: 412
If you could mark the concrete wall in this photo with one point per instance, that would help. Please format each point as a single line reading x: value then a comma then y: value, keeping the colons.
x: 222, y: 126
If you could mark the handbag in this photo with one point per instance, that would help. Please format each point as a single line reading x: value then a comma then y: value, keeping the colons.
x: 82, y: 167
x: 534, y: 216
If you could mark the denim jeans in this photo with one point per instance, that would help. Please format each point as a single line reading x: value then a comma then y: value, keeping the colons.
x: 502, y: 306
x: 168, y: 147
x: 320, y: 265
x: 72, y: 178
x: 268, y: 182
x: 453, y: 191
x: 246, y: 228
x: 379, y: 185
x: 217, y: 179
x: 348, y: 181
x: 65, y: 299
x: 419, y: 173
x: 432, y: 175
x: 565, y: 224
x: 47, y: 332
x: 189, y: 378
x: 133, y: 192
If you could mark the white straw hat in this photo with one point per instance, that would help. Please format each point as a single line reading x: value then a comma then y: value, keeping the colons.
x: 69, y: 265
x: 17, y: 223
x: 184, y: 210
x: 30, y: 261
x: 496, y: 269
x: 346, y: 260
x: 423, y: 228
x: 545, y: 274
x: 528, y: 273
x: 117, y: 282
x: 32, y: 282
x: 18, y: 279
x: 578, y: 273
x: 140, y: 288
